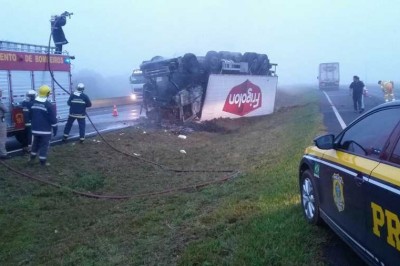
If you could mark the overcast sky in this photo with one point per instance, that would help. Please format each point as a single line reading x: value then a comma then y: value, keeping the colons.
x: 114, y: 37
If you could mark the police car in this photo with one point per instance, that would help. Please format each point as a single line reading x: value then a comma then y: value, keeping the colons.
x: 352, y: 183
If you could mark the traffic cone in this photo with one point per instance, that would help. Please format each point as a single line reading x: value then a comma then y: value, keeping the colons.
x: 115, y: 111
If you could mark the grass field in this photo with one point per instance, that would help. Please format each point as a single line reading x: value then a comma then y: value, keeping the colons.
x: 254, y: 218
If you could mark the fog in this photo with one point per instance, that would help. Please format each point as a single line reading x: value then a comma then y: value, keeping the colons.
x: 111, y: 38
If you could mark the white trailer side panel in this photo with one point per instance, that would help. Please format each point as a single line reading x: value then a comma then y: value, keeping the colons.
x: 234, y: 96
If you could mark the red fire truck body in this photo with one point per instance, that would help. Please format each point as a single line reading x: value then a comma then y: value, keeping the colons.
x: 26, y: 67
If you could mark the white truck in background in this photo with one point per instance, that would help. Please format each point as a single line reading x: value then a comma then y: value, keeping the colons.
x: 137, y: 81
x: 329, y: 76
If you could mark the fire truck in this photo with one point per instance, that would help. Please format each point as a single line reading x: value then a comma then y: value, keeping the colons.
x: 26, y: 67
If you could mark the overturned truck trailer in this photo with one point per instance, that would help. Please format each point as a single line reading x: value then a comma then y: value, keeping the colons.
x: 218, y: 85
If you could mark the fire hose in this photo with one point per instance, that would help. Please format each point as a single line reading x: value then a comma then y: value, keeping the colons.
x: 121, y: 197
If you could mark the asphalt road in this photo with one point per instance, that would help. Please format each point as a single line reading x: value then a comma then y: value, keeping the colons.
x: 342, y: 101
x: 102, y: 119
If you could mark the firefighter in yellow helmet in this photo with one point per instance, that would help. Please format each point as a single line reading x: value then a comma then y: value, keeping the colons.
x: 387, y: 89
x: 44, y: 124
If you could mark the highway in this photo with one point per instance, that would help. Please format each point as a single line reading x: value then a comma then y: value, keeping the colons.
x: 337, y: 106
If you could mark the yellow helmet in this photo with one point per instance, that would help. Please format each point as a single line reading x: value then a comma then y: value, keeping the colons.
x: 44, y: 91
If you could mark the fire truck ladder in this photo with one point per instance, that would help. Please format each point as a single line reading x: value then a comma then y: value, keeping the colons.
x: 24, y: 47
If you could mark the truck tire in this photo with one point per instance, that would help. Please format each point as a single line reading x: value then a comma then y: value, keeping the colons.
x: 213, y: 62
x: 263, y: 64
x: 236, y: 57
x: 251, y: 59
x: 190, y: 63
x: 157, y: 58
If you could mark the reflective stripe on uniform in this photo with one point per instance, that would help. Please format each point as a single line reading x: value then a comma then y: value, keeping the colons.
x: 41, y: 132
x: 80, y: 101
x: 77, y: 116
x: 39, y: 107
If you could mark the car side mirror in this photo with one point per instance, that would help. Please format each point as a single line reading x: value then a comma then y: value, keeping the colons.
x: 325, y: 142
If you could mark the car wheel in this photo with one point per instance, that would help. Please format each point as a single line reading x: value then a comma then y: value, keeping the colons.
x: 309, y: 198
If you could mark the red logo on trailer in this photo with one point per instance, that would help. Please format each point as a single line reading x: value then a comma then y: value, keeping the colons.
x: 243, y: 99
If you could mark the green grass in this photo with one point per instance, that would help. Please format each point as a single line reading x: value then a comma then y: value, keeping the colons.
x: 254, y: 219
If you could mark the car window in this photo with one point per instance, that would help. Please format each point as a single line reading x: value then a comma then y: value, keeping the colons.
x: 395, y: 157
x: 369, y: 135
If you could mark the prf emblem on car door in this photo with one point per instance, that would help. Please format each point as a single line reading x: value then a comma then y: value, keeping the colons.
x: 316, y: 169
x: 338, y: 191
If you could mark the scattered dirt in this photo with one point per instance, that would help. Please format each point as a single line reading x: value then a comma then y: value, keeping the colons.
x: 284, y: 99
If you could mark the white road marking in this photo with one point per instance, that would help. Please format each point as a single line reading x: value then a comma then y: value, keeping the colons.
x: 339, y: 118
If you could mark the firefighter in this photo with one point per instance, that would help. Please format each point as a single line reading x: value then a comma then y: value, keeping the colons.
x: 44, y: 123
x: 387, y: 89
x: 57, y: 22
x: 3, y: 128
x: 26, y: 106
x: 78, y: 102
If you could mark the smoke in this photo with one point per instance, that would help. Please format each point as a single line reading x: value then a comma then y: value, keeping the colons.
x: 97, y: 86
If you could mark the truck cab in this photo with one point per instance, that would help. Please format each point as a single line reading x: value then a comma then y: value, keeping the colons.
x: 137, y: 81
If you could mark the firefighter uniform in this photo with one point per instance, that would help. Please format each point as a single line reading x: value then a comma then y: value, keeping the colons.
x: 44, y: 123
x: 78, y: 102
x: 26, y: 106
x: 3, y: 129
x: 57, y: 22
x: 387, y: 89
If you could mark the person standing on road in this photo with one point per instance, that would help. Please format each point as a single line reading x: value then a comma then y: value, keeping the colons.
x: 26, y: 107
x: 358, y: 88
x: 387, y: 89
x: 3, y: 128
x: 44, y: 123
x: 78, y: 102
